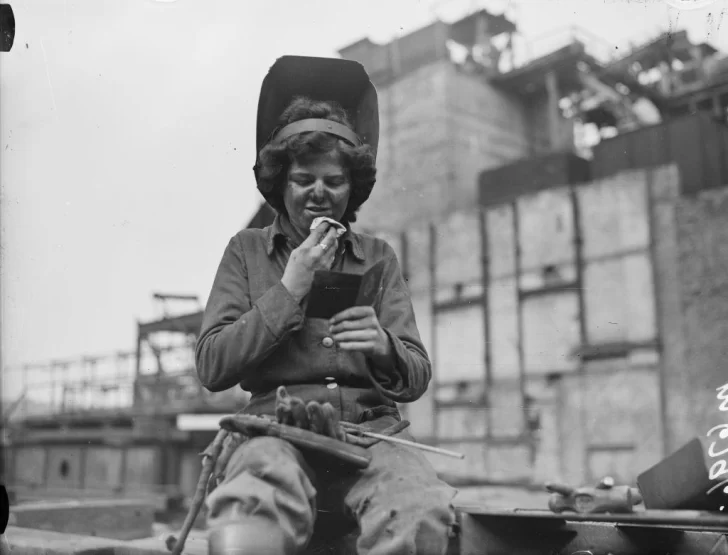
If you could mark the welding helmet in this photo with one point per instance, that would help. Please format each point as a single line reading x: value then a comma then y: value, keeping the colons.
x: 322, y: 79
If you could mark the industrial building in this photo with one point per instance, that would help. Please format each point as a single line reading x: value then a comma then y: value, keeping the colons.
x: 562, y: 224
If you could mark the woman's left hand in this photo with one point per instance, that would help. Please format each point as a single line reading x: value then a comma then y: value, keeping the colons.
x: 357, y: 329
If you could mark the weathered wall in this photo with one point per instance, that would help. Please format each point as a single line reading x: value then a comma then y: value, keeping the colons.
x: 103, y: 468
x: 506, y: 296
x: 64, y: 467
x: 439, y: 127
x: 29, y: 464
x: 486, y: 129
x: 412, y: 164
x: 143, y: 465
x: 189, y: 473
x: 97, y: 469
x: 693, y: 258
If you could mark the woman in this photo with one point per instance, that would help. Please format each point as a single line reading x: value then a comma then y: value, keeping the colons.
x: 354, y: 367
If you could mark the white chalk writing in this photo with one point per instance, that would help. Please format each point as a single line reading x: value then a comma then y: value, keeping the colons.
x: 720, y: 467
x: 723, y: 396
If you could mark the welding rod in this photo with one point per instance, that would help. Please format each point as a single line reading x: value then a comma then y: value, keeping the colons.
x: 412, y: 444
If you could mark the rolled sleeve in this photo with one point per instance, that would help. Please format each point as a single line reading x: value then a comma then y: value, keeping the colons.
x: 409, y: 374
x: 237, y: 335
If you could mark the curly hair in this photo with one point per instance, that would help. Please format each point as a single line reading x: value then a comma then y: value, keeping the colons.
x: 276, y: 159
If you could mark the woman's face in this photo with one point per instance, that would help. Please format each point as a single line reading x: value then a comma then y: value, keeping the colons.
x: 318, y: 187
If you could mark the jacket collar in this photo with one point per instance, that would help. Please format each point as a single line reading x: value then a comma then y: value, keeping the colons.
x: 275, y: 232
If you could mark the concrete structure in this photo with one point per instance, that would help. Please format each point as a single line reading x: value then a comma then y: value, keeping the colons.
x: 575, y: 310
x: 575, y: 332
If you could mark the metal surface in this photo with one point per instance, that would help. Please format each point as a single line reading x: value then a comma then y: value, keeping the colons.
x: 488, y: 532
x: 686, y: 520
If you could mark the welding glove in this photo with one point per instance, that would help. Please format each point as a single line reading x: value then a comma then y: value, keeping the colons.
x: 316, y: 417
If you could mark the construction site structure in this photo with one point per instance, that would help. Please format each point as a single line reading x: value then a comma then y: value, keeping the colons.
x: 564, y: 242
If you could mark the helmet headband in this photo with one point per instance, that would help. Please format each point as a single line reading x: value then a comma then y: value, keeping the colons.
x: 317, y: 124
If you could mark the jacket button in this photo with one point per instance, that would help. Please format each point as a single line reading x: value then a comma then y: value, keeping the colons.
x: 327, y: 342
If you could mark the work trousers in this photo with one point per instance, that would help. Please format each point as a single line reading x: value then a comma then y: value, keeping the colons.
x: 398, y: 502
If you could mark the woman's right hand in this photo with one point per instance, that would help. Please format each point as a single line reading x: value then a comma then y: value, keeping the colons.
x: 315, y: 253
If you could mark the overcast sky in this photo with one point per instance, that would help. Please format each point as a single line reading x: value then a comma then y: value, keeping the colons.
x: 127, y: 134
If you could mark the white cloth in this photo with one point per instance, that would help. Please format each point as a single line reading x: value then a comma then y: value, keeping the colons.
x: 340, y: 229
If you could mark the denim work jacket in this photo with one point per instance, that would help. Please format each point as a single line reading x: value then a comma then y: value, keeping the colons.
x: 254, y: 334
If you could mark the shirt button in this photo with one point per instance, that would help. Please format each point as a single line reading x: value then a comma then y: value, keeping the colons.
x: 332, y: 385
x: 327, y: 342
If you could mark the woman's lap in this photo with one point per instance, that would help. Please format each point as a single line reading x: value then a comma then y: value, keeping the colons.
x: 399, y: 502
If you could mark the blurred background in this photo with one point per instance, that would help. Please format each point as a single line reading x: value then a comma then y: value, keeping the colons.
x: 552, y: 174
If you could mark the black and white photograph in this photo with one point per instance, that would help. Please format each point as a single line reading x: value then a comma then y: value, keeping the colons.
x: 364, y: 277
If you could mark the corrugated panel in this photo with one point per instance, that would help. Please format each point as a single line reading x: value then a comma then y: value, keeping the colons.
x: 461, y: 422
x: 501, y: 242
x: 687, y: 151
x: 102, y: 467
x: 619, y: 300
x: 696, y: 143
x: 460, y: 344
x: 610, y: 157
x: 458, y: 254
x: 614, y: 215
x: 503, y: 322
x: 550, y: 332
x: 529, y: 175
x: 649, y: 147
x: 715, y: 160
x: 546, y: 229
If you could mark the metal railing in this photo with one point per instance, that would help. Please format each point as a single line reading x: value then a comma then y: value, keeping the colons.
x: 109, y: 383
x: 603, y: 51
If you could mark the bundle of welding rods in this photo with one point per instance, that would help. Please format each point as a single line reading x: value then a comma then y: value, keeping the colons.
x: 354, y: 429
